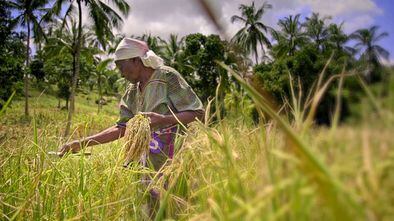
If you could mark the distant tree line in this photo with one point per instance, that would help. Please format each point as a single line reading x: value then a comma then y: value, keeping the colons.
x: 72, y: 58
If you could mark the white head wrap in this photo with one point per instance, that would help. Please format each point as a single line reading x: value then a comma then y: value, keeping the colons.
x: 131, y: 48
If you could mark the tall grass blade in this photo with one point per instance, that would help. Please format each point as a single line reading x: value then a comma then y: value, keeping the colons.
x: 370, y: 96
x: 338, y: 105
x: 6, y: 104
x: 340, y: 201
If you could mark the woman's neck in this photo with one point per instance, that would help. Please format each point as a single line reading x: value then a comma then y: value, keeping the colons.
x: 146, y: 74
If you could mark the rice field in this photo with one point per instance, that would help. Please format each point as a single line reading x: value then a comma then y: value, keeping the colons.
x: 231, y: 169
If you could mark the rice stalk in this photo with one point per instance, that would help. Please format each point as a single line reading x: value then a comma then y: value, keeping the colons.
x: 338, y: 101
x: 137, y: 138
x: 332, y: 191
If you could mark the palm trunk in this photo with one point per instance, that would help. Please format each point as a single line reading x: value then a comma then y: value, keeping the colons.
x: 76, y: 71
x: 100, y: 94
x: 368, y: 76
x: 26, y: 78
x: 256, y: 56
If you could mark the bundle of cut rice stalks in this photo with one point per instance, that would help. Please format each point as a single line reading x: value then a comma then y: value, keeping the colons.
x: 137, y: 138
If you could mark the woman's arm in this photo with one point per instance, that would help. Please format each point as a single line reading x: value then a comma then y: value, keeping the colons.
x: 115, y: 132
x: 185, y: 117
x: 105, y: 136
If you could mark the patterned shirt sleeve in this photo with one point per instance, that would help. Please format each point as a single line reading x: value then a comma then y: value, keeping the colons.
x: 181, y: 95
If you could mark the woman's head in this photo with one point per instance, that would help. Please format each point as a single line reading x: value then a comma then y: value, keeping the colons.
x: 132, y: 56
x: 130, y: 48
x: 130, y: 68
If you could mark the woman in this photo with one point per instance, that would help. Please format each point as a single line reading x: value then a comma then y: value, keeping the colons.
x: 156, y: 91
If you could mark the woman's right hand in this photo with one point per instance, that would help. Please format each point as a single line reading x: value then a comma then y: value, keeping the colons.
x: 73, y: 146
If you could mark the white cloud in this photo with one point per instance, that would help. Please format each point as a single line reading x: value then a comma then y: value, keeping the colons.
x: 185, y: 17
x: 388, y: 62
x: 342, y: 7
x: 357, y: 22
x: 168, y: 16
x: 355, y: 13
x: 161, y: 18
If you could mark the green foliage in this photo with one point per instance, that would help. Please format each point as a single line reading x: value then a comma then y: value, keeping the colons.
x: 154, y: 42
x: 30, y: 15
x: 317, y: 30
x: 337, y: 40
x: 204, y: 75
x: 12, y: 52
x: 60, y: 58
x: 239, y: 106
x: 304, y: 64
x: 37, y: 69
x: 290, y: 37
x: 11, y: 70
x: 304, y: 67
x: 272, y: 78
x: 301, y: 50
x: 63, y: 91
x: 172, y: 51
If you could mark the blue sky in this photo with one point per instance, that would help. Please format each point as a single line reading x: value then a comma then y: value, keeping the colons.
x: 386, y: 23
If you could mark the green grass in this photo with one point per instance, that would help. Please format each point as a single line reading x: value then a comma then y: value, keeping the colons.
x: 232, y: 170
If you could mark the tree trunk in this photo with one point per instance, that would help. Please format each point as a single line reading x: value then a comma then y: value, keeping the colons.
x: 256, y: 55
x: 100, y: 94
x: 76, y: 71
x: 26, y: 78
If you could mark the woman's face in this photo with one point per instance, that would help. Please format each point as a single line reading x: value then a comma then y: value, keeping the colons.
x: 129, y: 69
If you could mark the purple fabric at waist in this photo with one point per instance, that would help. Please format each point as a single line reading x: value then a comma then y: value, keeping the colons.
x: 156, y: 145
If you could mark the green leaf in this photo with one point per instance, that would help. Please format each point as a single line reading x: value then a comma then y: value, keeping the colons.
x: 6, y: 104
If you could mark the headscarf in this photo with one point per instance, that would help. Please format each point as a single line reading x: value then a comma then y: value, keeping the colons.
x: 131, y: 48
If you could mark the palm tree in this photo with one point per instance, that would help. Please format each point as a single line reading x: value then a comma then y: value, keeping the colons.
x: 253, y: 31
x: 113, y: 44
x: 336, y: 36
x: 290, y: 37
x: 172, y: 52
x: 29, y: 13
x: 63, y: 43
x: 337, y: 39
x: 367, y: 39
x: 104, y: 20
x: 155, y: 43
x: 316, y: 28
